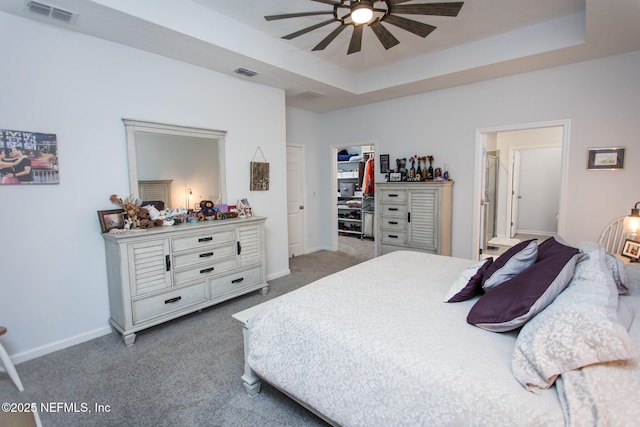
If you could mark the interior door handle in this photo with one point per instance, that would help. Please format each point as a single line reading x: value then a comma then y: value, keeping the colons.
x: 301, y: 207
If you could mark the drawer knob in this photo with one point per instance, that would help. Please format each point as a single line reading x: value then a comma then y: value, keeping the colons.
x: 205, y: 239
x: 206, y: 270
x: 172, y: 300
x: 393, y: 236
x: 208, y: 254
x: 237, y: 280
x: 393, y: 195
x: 393, y: 209
x: 393, y: 222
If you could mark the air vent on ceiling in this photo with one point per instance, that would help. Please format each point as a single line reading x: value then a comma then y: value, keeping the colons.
x: 309, y: 94
x: 52, y: 11
x: 245, y: 72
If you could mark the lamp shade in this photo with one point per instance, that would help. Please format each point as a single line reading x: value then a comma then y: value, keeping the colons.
x: 632, y: 221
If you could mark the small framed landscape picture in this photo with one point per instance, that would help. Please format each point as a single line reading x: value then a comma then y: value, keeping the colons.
x: 605, y: 158
x: 111, y: 219
x: 631, y: 249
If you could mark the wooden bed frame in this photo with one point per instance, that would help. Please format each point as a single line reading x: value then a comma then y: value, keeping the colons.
x: 252, y: 383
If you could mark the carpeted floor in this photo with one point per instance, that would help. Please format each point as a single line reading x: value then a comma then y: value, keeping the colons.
x: 183, y: 373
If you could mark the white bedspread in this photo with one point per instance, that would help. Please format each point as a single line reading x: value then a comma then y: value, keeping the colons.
x: 374, y: 345
x: 605, y: 394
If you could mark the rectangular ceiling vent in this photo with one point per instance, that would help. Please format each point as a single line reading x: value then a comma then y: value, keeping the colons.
x: 52, y: 11
x: 309, y: 95
x: 245, y: 72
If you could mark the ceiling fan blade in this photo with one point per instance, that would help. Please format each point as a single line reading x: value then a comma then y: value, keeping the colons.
x: 415, y: 27
x: 329, y: 2
x: 437, y: 9
x: 356, y: 40
x: 394, y: 2
x: 325, y: 42
x: 296, y: 15
x: 386, y: 38
x: 308, y: 29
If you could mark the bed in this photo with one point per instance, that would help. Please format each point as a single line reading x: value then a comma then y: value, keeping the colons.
x: 376, y: 344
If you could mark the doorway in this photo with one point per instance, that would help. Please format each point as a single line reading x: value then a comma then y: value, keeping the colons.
x: 353, y: 201
x: 520, y: 183
x: 295, y: 199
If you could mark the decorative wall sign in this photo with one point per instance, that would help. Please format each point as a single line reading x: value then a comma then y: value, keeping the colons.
x: 28, y: 157
x: 605, y: 158
x: 259, y: 180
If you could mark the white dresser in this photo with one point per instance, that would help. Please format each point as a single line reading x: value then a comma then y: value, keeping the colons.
x: 414, y: 216
x: 162, y: 273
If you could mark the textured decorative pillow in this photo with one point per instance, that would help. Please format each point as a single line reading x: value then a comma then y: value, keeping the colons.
x: 579, y: 328
x: 511, y: 304
x: 515, y: 260
x: 469, y: 284
x: 616, y: 266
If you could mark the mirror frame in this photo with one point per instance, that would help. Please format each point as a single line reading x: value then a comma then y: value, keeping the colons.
x: 134, y: 126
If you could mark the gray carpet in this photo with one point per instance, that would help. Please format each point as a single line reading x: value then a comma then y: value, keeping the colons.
x: 183, y: 373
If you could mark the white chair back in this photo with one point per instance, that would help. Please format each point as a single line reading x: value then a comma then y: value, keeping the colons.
x: 613, y: 236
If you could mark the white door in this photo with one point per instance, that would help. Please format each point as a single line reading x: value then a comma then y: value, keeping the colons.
x: 295, y: 199
x: 515, y: 193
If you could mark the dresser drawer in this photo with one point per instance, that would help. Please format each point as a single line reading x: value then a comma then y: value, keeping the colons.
x: 203, y: 255
x: 392, y: 196
x: 396, y: 211
x: 390, y: 223
x: 203, y: 270
x: 391, y: 236
x: 159, y: 305
x: 233, y: 283
x: 202, y: 239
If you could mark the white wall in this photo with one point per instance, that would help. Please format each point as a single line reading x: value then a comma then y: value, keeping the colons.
x: 303, y: 129
x: 54, y: 283
x: 600, y: 98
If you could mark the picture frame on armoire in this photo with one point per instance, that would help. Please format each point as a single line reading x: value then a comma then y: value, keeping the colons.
x: 384, y: 163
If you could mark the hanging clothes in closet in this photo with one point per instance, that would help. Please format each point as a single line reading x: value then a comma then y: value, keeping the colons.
x: 368, y: 179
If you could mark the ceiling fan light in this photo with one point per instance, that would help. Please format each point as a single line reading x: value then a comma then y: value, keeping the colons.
x: 362, y: 12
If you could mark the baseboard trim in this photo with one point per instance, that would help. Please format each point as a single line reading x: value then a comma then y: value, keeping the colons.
x: 278, y: 275
x: 59, y: 345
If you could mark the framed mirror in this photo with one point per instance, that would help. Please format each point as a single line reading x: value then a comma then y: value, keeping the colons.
x: 182, y: 164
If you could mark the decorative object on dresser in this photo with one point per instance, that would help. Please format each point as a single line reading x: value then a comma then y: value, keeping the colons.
x: 111, y: 219
x: 414, y: 216
x: 167, y: 272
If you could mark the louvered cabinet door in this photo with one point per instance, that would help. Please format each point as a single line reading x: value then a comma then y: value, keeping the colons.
x: 423, y: 220
x: 150, y: 266
x: 248, y: 246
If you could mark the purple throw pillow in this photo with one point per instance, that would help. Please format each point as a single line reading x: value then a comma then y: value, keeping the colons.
x: 511, y: 304
x: 515, y: 260
x: 469, y: 284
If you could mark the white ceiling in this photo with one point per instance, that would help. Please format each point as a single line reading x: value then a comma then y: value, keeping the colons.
x: 488, y: 39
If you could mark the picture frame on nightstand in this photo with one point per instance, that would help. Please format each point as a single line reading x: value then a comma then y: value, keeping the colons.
x: 631, y: 250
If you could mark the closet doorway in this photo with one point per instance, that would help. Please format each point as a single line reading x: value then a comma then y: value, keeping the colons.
x: 353, y: 199
x: 520, y: 182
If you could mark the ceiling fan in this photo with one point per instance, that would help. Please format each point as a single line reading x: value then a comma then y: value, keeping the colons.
x: 371, y: 13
